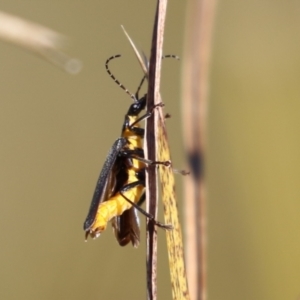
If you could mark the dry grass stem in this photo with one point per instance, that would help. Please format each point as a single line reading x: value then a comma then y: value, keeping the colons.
x: 156, y: 148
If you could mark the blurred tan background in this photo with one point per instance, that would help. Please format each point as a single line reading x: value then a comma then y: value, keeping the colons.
x: 56, y: 130
x: 254, y: 164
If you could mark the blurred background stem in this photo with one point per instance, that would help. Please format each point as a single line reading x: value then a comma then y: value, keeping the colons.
x: 195, y: 89
x: 38, y: 39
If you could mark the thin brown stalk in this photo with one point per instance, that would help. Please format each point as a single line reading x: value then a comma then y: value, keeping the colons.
x: 157, y: 141
x: 150, y: 144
